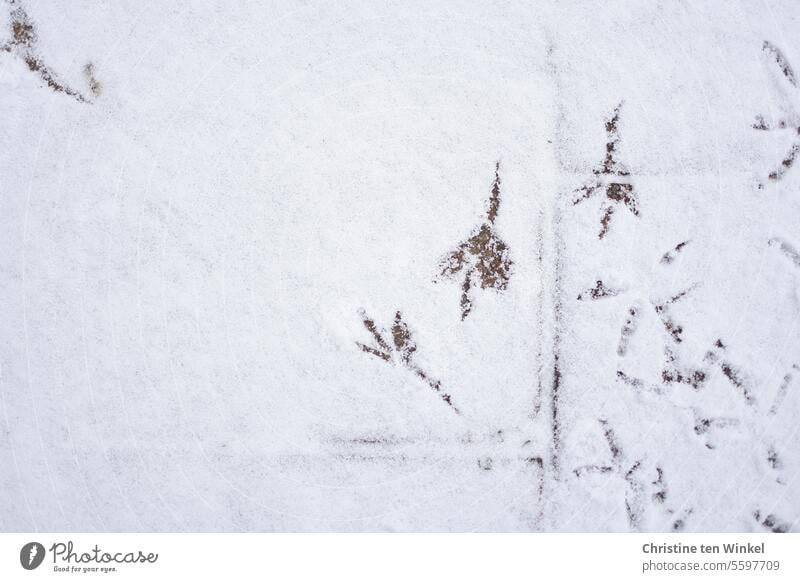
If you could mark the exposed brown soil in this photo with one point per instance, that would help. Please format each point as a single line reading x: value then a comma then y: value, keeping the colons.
x: 674, y: 329
x: 615, y: 192
x: 37, y: 66
x: 22, y: 29
x: 483, y: 258
x: 24, y: 40
x: 384, y: 351
x: 402, y: 347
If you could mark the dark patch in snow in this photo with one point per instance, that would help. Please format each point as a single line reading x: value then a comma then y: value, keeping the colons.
x: 762, y: 125
x: 704, y: 425
x: 674, y: 329
x: 697, y: 377
x: 634, y: 498
x: 628, y: 329
x: 634, y: 493
x: 782, y: 390
x: 787, y: 249
x: 670, y: 256
x: 773, y: 459
x: 674, y: 374
x: 592, y: 469
x: 772, y: 523
x: 599, y: 291
x: 611, y: 178
x: 786, y: 163
x: 734, y: 376
x: 781, y: 61
x: 95, y: 86
x: 660, y: 495
x: 629, y: 380
x: 538, y: 462
x: 611, y: 439
x: 679, y: 524
x: 403, y: 349
x: 24, y: 41
x: 483, y: 257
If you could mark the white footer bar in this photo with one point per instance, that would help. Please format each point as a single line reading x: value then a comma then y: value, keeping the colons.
x: 402, y: 557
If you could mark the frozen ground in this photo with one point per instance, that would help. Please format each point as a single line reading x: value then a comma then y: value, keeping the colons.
x: 261, y: 270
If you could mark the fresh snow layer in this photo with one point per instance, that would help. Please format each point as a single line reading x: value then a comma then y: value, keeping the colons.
x: 418, y: 266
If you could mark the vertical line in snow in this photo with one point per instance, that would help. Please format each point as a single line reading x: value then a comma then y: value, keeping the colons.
x: 555, y: 395
x: 554, y: 256
x: 540, y: 316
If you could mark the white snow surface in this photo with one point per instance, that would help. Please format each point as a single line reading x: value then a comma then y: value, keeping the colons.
x: 195, y: 228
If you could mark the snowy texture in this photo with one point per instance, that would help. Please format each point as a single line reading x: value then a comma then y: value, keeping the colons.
x: 418, y: 266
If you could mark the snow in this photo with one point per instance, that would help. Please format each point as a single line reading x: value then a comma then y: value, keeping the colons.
x: 190, y: 250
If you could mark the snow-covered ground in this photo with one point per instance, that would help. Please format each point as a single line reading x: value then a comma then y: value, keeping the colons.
x: 413, y: 266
